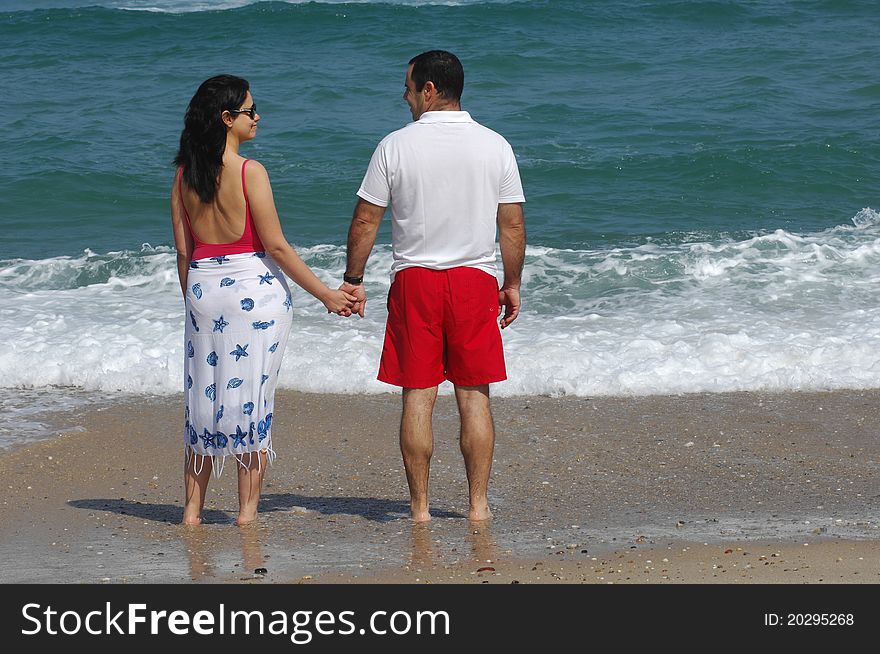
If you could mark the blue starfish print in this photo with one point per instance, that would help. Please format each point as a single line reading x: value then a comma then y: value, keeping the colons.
x: 240, y: 351
x: 238, y: 437
x: 208, y: 439
x: 219, y: 324
x: 288, y: 302
x: 220, y: 260
x: 266, y: 279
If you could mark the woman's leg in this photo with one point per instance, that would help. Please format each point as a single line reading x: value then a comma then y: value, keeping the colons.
x: 251, y: 469
x: 196, y: 473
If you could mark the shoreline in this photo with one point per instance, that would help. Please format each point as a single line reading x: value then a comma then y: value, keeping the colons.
x: 580, y: 486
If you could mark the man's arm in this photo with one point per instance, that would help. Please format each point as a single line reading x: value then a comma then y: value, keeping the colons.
x: 361, y: 237
x: 512, y: 240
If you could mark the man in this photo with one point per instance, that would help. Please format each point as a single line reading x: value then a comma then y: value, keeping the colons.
x: 449, y: 181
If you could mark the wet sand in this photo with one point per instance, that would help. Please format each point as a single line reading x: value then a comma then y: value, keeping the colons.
x: 709, y: 488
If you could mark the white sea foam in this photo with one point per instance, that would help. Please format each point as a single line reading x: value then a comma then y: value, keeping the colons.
x: 190, y: 6
x: 777, y: 311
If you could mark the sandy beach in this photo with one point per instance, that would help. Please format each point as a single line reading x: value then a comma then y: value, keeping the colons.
x: 703, y: 488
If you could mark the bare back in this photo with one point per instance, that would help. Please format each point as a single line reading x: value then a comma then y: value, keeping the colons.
x: 223, y: 220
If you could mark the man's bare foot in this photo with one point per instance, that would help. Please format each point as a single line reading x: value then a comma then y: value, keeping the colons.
x: 478, y: 515
x: 421, y: 516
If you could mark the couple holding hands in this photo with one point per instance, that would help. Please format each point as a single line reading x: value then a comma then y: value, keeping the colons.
x: 450, y: 183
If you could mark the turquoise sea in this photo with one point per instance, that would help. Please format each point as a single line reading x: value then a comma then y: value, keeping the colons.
x: 701, y: 177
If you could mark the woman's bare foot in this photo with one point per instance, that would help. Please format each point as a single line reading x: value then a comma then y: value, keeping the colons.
x: 246, y: 518
x: 190, y: 520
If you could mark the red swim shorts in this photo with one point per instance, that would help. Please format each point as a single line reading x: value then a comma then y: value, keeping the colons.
x: 442, y: 324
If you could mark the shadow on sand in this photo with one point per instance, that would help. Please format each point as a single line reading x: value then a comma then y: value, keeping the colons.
x: 370, y: 508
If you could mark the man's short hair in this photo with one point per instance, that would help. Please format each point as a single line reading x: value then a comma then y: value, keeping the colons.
x: 441, y: 67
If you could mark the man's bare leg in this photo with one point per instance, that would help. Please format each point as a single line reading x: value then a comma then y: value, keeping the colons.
x: 477, y: 445
x: 417, y: 446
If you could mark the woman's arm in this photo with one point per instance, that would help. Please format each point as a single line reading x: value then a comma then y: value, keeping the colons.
x: 268, y: 227
x: 183, y: 241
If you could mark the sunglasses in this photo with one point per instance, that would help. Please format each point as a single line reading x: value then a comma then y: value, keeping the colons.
x: 250, y: 111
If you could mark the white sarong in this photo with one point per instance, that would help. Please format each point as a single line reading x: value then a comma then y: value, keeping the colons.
x: 238, y: 320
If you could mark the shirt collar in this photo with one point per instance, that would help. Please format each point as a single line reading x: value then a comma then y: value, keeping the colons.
x: 445, y: 117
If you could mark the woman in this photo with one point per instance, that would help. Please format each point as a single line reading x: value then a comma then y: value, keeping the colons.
x: 231, y: 259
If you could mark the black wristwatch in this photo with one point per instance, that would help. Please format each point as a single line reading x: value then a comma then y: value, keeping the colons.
x: 354, y: 281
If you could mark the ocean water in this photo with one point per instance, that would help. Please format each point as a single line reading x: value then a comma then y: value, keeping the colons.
x: 701, y: 177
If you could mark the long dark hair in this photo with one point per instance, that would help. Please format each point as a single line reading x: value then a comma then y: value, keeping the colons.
x: 203, y: 139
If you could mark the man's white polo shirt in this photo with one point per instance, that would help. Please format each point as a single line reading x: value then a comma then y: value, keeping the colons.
x: 444, y: 176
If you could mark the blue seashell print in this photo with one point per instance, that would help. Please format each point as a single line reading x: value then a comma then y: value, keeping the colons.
x: 266, y: 279
x: 238, y: 437
x: 219, y: 324
x: 288, y: 302
x: 189, y: 381
x: 220, y: 260
x: 274, y: 346
x: 240, y: 351
x: 262, y: 324
x: 261, y: 255
x: 247, y: 304
x: 222, y: 439
x: 247, y: 408
x: 193, y: 319
x: 193, y: 436
x: 226, y: 281
x: 263, y: 427
x: 212, y: 359
x: 219, y: 414
x: 193, y: 264
x: 251, y: 434
x: 235, y: 382
x: 197, y: 291
x: 263, y: 379
x: 190, y: 350
x: 211, y: 392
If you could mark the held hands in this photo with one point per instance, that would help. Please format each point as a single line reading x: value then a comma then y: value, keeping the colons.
x: 340, y: 302
x: 360, y: 296
x: 509, y: 299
